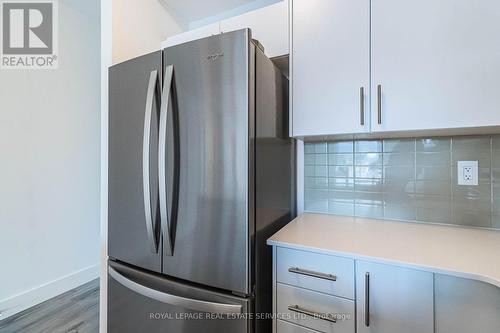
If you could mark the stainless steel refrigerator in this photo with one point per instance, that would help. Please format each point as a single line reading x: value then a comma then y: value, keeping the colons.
x: 201, y: 173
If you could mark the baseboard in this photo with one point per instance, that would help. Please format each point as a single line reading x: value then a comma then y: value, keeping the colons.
x: 29, y: 298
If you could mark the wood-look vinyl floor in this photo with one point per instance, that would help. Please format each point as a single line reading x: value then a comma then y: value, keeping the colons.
x: 76, y: 311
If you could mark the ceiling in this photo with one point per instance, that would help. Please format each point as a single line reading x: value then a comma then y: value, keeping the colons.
x: 193, y: 10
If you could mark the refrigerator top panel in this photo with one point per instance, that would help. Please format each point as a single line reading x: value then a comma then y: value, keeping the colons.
x: 209, y: 156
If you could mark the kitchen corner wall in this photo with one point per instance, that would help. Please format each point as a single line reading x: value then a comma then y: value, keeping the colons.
x: 404, y: 179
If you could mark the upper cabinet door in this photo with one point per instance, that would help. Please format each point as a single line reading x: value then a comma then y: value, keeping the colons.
x: 391, y: 299
x: 198, y: 33
x: 269, y: 26
x: 437, y: 64
x: 330, y: 66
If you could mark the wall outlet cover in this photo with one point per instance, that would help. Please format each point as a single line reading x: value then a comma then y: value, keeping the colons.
x: 468, y: 173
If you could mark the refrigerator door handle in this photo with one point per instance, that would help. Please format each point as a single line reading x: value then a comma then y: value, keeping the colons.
x: 152, y: 87
x: 187, y: 303
x: 165, y: 102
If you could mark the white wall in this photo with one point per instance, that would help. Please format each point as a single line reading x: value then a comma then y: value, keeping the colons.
x: 138, y: 26
x: 49, y: 170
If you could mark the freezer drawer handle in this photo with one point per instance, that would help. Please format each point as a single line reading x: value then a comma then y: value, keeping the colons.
x: 323, y: 316
x: 165, y: 102
x: 301, y: 271
x: 187, y: 303
x: 152, y: 87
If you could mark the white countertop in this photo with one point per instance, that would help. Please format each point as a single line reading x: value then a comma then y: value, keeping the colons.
x: 462, y: 252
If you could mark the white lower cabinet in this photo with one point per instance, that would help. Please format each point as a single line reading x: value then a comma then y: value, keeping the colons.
x: 315, y: 310
x: 465, y: 306
x: 391, y: 299
x: 285, y: 327
x: 387, y: 298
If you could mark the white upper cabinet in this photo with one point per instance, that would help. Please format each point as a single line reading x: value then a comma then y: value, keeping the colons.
x: 330, y: 66
x: 269, y: 26
x: 205, y: 31
x: 437, y: 62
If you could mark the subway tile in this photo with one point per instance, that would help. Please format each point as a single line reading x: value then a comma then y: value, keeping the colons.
x: 473, y: 143
x: 370, y: 211
x: 368, y: 185
x: 341, y: 184
x: 433, y: 159
x: 399, y: 145
x: 368, y: 159
x: 434, y: 187
x: 479, y: 195
x: 432, y: 201
x: 399, y: 199
x: 321, y: 171
x: 368, y: 171
x: 399, y: 172
x: 433, y: 173
x: 340, y: 171
x: 433, y: 144
x: 495, y: 142
x: 320, y: 148
x: 316, y: 183
x: 371, y: 146
x: 309, y: 148
x: 433, y: 215
x: 495, y: 159
x: 309, y: 171
x: 495, y: 221
x: 340, y: 159
x: 369, y: 198
x: 405, y: 179
x: 399, y: 186
x: 341, y: 147
x: 476, y: 218
x: 316, y: 206
x: 321, y: 159
x: 399, y: 159
x: 316, y: 194
x: 340, y: 208
x: 482, y: 156
x: 309, y: 159
x: 342, y: 196
x: 403, y: 212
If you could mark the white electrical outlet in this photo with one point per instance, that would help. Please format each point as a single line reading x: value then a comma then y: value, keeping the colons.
x: 468, y: 173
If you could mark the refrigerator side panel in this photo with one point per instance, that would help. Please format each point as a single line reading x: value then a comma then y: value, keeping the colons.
x: 210, y: 224
x: 131, y: 233
x: 275, y: 189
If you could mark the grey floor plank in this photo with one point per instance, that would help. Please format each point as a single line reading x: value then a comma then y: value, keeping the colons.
x: 76, y: 311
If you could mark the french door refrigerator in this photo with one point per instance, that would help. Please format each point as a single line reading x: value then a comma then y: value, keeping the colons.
x: 201, y: 173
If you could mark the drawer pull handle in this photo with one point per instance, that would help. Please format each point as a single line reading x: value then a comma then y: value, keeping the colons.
x: 324, y: 276
x: 317, y: 315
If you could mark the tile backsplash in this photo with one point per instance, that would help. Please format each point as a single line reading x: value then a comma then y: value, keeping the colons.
x: 405, y: 179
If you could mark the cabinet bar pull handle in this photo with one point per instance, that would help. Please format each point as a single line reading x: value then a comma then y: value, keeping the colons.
x: 301, y: 271
x: 362, y: 106
x: 379, y: 103
x: 323, y: 316
x: 367, y: 299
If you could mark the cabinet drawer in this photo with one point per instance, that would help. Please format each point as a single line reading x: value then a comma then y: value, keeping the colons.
x: 299, y: 306
x: 284, y: 327
x: 328, y: 274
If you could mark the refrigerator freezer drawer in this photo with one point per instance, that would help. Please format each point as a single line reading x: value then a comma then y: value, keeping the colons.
x: 144, y: 302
